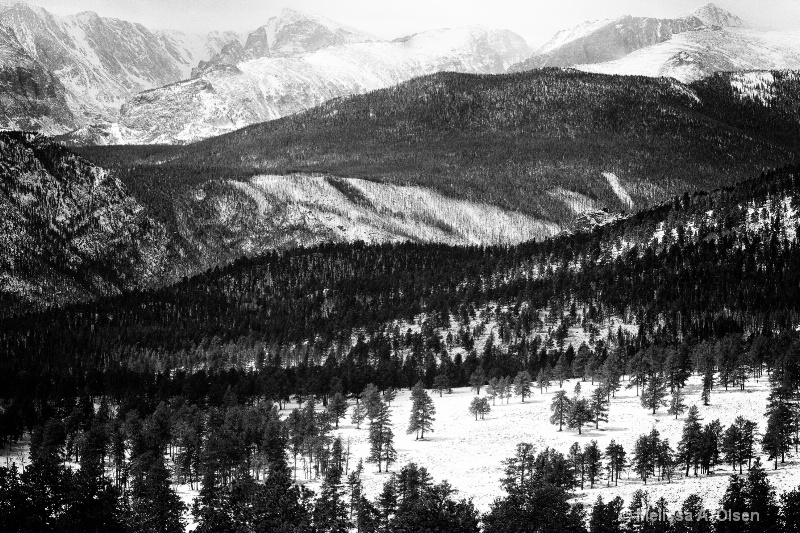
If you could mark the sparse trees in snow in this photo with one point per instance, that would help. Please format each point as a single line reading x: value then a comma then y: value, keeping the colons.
x: 479, y: 407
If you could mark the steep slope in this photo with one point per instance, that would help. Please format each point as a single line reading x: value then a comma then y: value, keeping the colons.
x: 688, y: 48
x: 31, y: 97
x: 601, y: 41
x: 694, y: 55
x: 236, y: 91
x: 101, y: 62
x: 292, y: 33
x: 548, y: 143
x: 698, y: 267
x: 69, y: 232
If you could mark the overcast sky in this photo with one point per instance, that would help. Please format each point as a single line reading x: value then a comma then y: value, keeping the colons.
x: 535, y: 20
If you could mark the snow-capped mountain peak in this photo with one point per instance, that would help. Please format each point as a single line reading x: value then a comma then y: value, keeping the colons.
x: 713, y: 15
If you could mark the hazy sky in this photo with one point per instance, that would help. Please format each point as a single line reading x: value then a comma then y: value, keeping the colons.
x: 535, y: 20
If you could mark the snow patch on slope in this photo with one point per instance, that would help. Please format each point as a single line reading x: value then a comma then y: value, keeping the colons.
x: 696, y: 54
x: 352, y: 209
x: 618, y: 189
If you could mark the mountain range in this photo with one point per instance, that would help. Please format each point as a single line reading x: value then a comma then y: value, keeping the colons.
x: 105, y: 81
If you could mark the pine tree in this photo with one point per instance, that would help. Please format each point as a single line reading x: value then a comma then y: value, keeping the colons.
x: 615, y: 457
x: 562, y: 370
x: 592, y: 459
x: 389, y: 395
x: 477, y: 380
x: 599, y: 406
x: 522, y: 384
x: 337, y: 408
x: 359, y: 414
x: 579, y: 414
x: 778, y: 435
x: 519, y: 469
x: 379, y: 427
x: 330, y: 511
x: 560, y: 406
x: 654, y: 393
x: 441, y: 384
x: 690, y: 445
x: 492, y: 389
x: 677, y: 405
x: 504, y: 389
x: 543, y: 379
x: 422, y: 411
x: 708, y: 384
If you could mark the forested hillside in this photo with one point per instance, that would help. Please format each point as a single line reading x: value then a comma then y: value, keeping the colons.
x: 527, y: 141
x: 193, y: 381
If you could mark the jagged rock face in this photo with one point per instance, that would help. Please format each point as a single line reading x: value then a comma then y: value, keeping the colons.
x: 229, y: 97
x: 230, y: 55
x: 713, y: 15
x: 68, y: 231
x: 257, y: 44
x: 31, y: 97
x: 101, y: 62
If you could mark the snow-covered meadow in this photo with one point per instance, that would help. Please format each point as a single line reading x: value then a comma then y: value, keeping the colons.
x: 469, y: 453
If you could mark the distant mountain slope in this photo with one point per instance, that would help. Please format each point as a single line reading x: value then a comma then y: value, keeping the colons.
x: 101, y: 62
x: 241, y: 87
x: 694, y: 55
x: 71, y: 231
x: 606, y: 40
x: 31, y: 97
x: 541, y: 142
x: 688, y: 48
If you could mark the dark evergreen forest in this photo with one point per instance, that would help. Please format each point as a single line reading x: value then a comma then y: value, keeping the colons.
x: 185, y: 383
